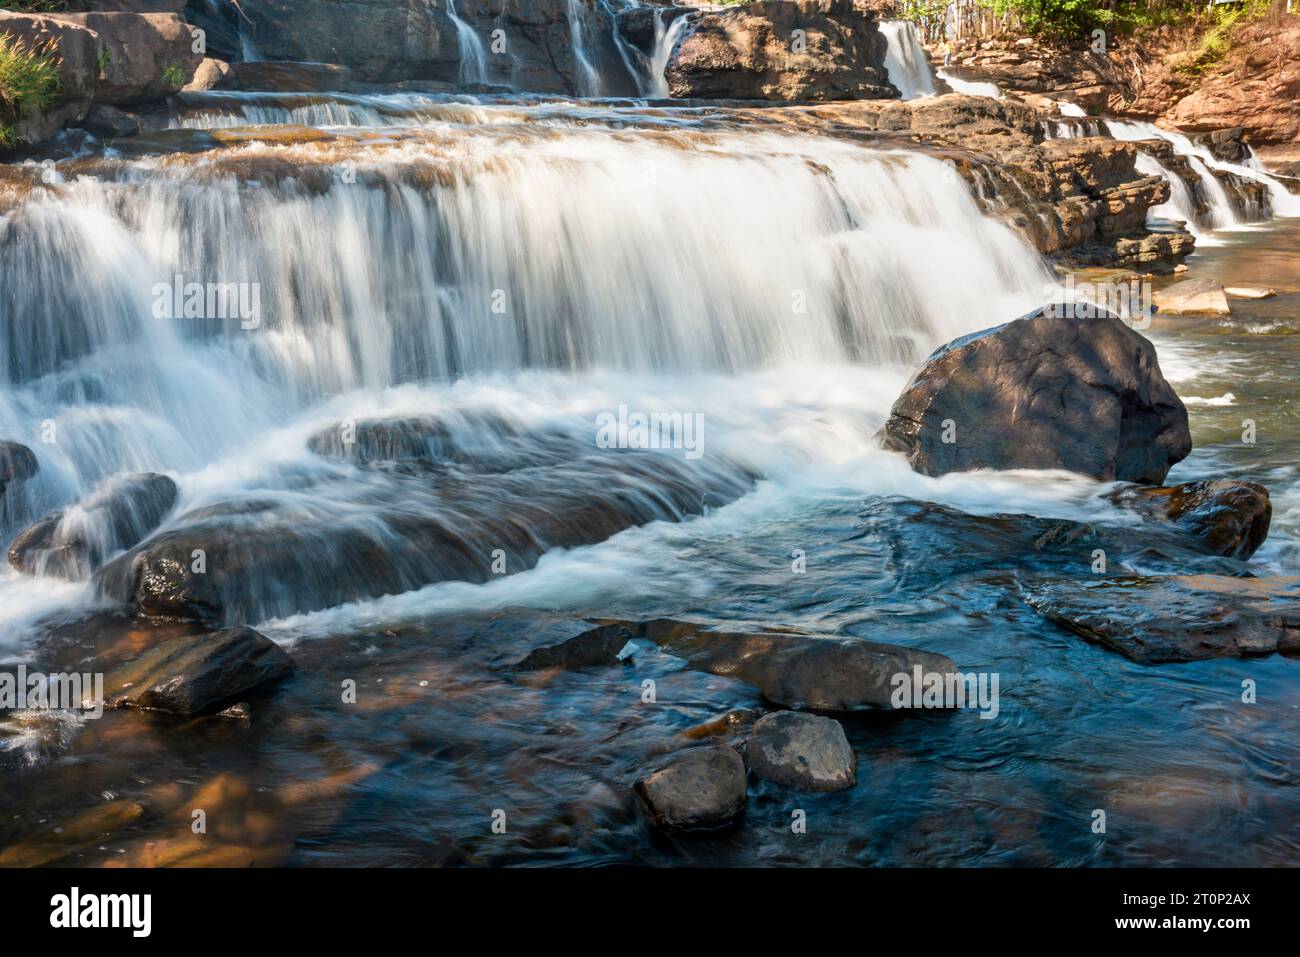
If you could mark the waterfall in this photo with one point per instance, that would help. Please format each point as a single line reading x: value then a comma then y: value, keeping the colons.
x: 667, y: 36
x: 473, y: 56
x: 585, y: 76
x: 515, y: 255
x: 905, y: 60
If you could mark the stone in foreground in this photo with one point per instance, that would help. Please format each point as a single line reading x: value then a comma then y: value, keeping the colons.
x: 796, y: 670
x: 1046, y: 391
x: 599, y: 646
x: 190, y: 674
x: 1193, y: 297
x: 1231, y: 518
x: 802, y: 751
x: 1177, y: 618
x: 699, y: 790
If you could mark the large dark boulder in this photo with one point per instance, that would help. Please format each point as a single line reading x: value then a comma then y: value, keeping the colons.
x: 142, y: 56
x: 71, y: 543
x: 1049, y: 390
x: 190, y: 674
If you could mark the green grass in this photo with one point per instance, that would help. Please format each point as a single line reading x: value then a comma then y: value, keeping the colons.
x: 173, y: 77
x: 29, y: 81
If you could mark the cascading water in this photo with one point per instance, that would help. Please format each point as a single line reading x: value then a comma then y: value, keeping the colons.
x: 512, y: 242
x: 586, y: 77
x: 970, y: 87
x: 667, y: 36
x: 473, y: 55
x: 905, y: 59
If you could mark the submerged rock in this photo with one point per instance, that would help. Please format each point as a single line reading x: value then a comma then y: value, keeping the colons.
x: 797, y: 670
x: 1192, y: 297
x: 1045, y: 391
x: 802, y: 751
x: 702, y: 789
x: 189, y: 674
x: 1230, y: 517
x: 1177, y: 618
x: 746, y: 52
x: 71, y: 543
x: 599, y: 646
x: 1250, y: 292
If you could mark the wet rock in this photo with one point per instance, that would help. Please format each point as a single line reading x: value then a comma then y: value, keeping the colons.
x: 1230, y: 517
x: 1177, y: 618
x: 801, y: 751
x: 248, y: 560
x: 746, y: 53
x: 71, y: 543
x: 17, y: 464
x: 597, y: 647
x: 797, y: 670
x: 1250, y: 292
x: 733, y: 727
x: 142, y: 56
x: 1193, y: 296
x: 698, y: 790
x: 284, y: 77
x: 108, y: 122
x: 1046, y: 391
x: 187, y: 675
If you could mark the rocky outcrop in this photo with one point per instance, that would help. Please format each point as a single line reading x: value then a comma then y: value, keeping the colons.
x: 1177, y: 618
x: 192, y: 674
x: 1051, y: 390
x: 142, y: 56
x: 1230, y: 517
x: 802, y: 751
x: 1193, y: 297
x: 597, y: 647
x: 702, y: 789
x: 78, y: 50
x: 72, y: 543
x: 782, y: 50
x: 798, y: 670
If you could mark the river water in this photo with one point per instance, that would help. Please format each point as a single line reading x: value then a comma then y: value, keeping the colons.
x: 782, y: 287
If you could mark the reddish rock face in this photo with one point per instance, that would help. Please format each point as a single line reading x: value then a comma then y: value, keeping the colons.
x: 143, y: 56
x: 783, y: 50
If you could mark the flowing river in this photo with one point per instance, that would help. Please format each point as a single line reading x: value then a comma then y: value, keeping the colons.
x: 512, y: 268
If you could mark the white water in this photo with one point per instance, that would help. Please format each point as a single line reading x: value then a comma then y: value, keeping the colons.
x: 623, y: 293
x: 905, y: 59
x: 970, y: 87
x: 586, y: 77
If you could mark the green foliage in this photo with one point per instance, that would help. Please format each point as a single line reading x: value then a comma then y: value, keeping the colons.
x: 29, y: 81
x: 173, y: 77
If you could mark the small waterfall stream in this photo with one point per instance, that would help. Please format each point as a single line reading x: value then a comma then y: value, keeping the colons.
x: 473, y: 55
x: 905, y: 59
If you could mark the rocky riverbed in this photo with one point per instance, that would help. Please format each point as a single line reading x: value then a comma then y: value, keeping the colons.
x: 326, y: 423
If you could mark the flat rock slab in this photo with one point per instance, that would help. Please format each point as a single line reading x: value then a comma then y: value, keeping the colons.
x: 802, y: 751
x: 1193, y: 297
x: 1177, y: 617
x: 1250, y: 292
x: 796, y: 670
x: 698, y: 790
x: 190, y: 674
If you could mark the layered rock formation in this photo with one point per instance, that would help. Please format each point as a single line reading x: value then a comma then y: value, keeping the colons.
x: 782, y: 50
